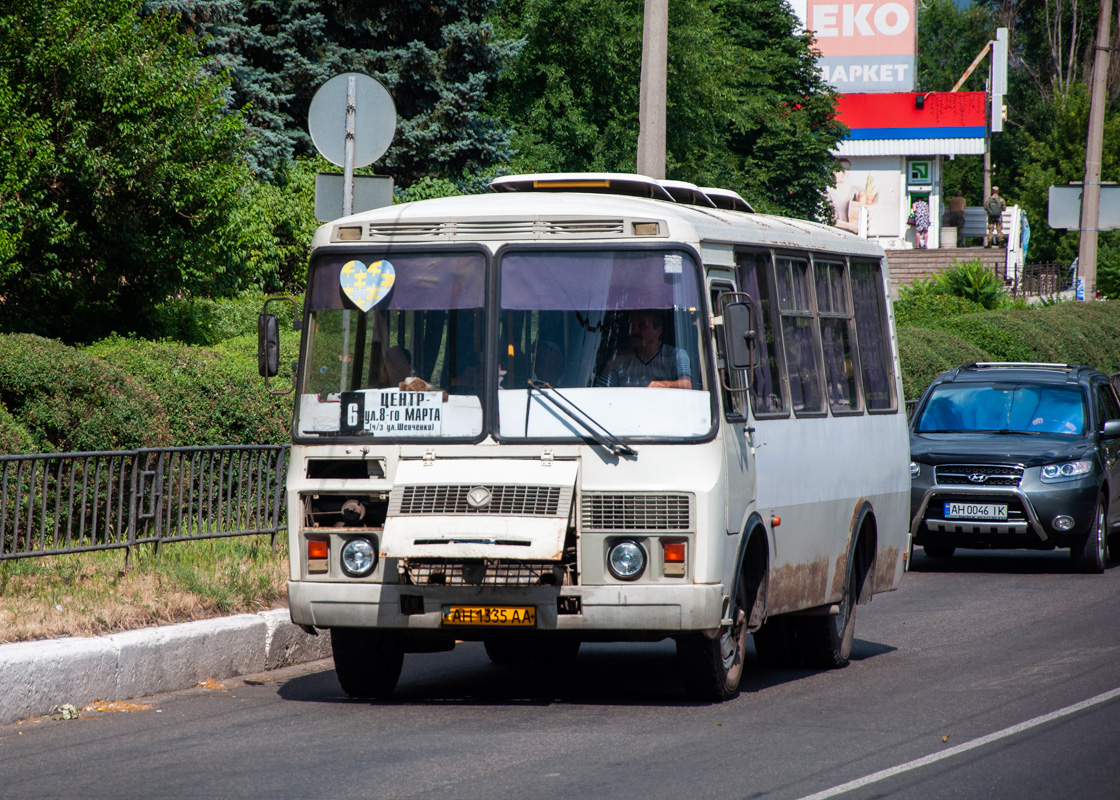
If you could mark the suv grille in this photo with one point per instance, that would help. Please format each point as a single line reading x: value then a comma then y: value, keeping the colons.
x: 525, y: 501
x: 637, y: 512
x: 965, y: 474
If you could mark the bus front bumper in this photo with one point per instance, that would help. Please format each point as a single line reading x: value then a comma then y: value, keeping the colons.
x: 621, y: 609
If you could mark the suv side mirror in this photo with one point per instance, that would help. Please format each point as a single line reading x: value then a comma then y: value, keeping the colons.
x: 738, y: 336
x: 1111, y: 429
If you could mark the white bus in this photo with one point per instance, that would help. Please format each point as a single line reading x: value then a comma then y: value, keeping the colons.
x: 578, y: 409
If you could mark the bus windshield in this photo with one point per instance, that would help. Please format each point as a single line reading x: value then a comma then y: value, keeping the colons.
x: 394, y: 346
x: 613, y: 333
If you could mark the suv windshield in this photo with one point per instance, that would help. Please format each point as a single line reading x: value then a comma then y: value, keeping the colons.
x: 393, y: 347
x: 613, y: 333
x: 1003, y: 408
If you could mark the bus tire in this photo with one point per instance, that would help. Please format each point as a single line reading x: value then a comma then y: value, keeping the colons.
x: 542, y: 653
x: 713, y: 667
x: 825, y: 642
x: 938, y: 550
x: 367, y: 662
x: 775, y: 645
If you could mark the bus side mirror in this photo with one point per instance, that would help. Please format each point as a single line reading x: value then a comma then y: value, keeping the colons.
x: 268, y: 345
x: 738, y: 336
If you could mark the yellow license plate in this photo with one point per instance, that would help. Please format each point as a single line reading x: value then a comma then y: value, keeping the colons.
x: 512, y: 616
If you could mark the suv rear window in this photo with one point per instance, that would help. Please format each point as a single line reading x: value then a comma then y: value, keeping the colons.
x: 1004, y: 408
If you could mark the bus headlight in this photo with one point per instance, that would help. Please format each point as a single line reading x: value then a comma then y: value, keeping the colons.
x: 626, y: 560
x: 359, y: 557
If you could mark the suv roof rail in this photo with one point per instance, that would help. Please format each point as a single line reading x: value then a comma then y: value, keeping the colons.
x: 1020, y: 364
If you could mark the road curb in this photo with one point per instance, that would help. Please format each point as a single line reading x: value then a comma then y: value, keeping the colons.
x: 35, y: 677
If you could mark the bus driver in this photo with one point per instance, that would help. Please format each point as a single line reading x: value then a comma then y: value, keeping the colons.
x: 649, y: 362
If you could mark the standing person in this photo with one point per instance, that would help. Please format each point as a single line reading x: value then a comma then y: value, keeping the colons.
x: 956, y: 213
x: 994, y: 207
x: 920, y: 212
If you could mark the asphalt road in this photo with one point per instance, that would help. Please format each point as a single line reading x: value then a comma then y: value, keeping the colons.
x: 990, y: 675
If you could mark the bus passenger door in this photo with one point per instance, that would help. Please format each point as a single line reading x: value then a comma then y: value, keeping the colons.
x: 739, y: 471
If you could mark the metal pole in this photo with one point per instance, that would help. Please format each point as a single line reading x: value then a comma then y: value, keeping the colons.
x: 651, y: 92
x: 348, y: 209
x: 1091, y: 192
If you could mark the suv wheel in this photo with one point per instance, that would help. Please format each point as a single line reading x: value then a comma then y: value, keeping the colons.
x: 1089, y: 555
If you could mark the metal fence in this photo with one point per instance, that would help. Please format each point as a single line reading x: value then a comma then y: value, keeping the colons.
x: 1045, y: 279
x: 75, y: 502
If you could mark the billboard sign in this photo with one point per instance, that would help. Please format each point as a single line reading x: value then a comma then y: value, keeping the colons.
x: 867, y: 45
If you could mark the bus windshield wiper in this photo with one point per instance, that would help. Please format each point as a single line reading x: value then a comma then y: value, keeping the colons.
x: 600, y: 434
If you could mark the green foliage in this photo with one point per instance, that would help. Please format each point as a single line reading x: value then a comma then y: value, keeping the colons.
x: 14, y: 438
x: 208, y: 398
x: 920, y: 307
x: 924, y: 353
x: 973, y: 281
x: 745, y: 108
x: 122, y: 174
x: 427, y: 188
x: 66, y: 400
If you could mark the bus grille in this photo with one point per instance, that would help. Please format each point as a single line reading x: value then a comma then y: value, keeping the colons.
x: 491, y: 572
x: 637, y: 512
x: 524, y: 501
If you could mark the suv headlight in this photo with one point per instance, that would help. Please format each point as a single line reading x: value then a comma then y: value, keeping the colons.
x: 1052, y: 473
x: 915, y: 469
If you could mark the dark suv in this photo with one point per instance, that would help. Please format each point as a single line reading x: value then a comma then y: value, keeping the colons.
x: 1012, y: 455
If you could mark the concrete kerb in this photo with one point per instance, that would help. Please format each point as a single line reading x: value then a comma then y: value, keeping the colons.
x: 35, y: 677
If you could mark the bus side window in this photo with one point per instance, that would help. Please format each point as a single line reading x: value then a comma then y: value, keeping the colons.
x: 876, y: 365
x: 734, y: 403
x: 767, y: 396
x: 837, y: 336
x: 799, y: 335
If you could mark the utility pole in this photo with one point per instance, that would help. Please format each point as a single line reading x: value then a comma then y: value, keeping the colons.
x: 1091, y: 191
x: 651, y: 91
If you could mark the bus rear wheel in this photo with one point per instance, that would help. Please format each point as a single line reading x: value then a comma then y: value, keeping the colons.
x: 367, y: 662
x: 713, y: 667
x: 825, y: 642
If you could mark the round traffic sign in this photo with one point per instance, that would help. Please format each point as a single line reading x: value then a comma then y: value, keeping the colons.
x: 375, y: 119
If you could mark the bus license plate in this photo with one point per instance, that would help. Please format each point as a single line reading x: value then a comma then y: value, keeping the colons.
x: 509, y: 616
x: 975, y: 511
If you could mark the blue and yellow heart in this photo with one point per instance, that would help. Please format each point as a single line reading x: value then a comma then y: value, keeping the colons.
x: 367, y: 286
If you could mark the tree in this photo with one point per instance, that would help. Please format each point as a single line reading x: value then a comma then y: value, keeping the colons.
x: 439, y: 61
x: 745, y: 108
x: 122, y: 171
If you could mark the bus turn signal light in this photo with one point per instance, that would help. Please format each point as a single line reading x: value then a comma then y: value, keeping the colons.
x: 673, y: 560
x: 318, y: 552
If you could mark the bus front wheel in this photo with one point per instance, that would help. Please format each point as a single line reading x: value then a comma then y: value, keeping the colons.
x: 713, y: 667
x: 367, y: 662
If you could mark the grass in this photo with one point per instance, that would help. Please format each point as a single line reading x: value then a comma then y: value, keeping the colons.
x: 91, y: 594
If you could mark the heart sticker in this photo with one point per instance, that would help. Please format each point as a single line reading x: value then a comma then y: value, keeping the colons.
x: 367, y: 286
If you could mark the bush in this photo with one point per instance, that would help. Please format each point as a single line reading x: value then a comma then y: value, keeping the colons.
x: 925, y: 353
x: 207, y: 322
x: 67, y: 400
x: 925, y: 309
x: 208, y: 397
x: 14, y: 438
x: 972, y: 281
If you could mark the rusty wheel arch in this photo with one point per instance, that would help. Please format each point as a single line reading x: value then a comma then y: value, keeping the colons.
x: 863, y: 550
x: 753, y: 566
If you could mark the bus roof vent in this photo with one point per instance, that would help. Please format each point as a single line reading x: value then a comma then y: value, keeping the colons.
x: 477, y: 230
x: 727, y: 199
x: 593, y: 182
x: 688, y: 193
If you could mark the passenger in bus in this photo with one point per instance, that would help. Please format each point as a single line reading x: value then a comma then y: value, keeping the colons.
x: 648, y: 361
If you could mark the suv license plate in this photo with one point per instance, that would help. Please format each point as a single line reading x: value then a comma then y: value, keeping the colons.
x: 509, y: 616
x: 975, y: 511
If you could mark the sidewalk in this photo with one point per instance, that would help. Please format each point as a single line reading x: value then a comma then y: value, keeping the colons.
x: 35, y: 677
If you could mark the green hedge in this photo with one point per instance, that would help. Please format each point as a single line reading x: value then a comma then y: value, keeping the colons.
x: 66, y: 400
x: 209, y: 397
x: 1067, y: 332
